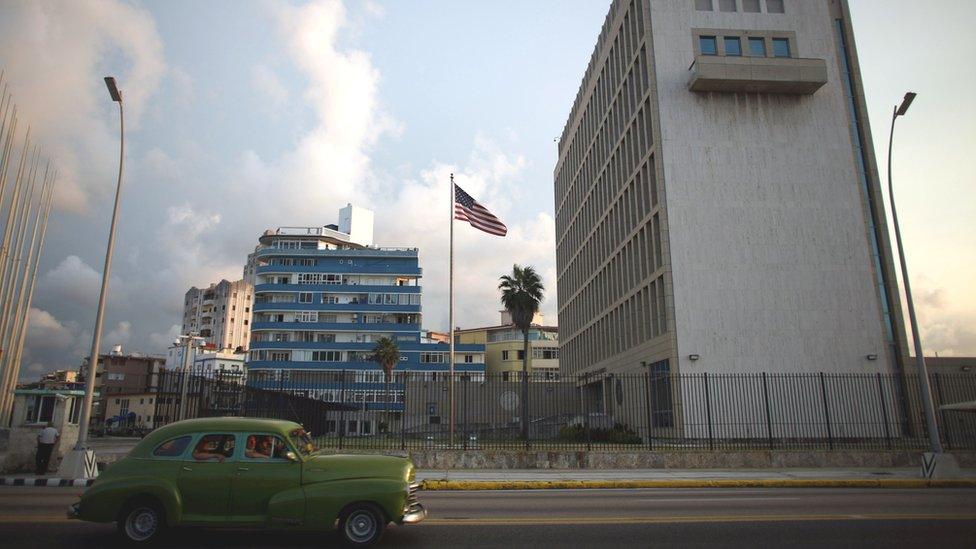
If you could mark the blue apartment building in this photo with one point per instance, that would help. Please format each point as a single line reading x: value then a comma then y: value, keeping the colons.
x: 322, y: 297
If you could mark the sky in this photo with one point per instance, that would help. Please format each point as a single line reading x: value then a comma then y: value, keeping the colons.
x: 243, y: 116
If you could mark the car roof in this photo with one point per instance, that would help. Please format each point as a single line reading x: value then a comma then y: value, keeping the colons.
x: 212, y: 424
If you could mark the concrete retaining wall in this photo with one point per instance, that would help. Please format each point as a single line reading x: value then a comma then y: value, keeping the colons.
x: 515, y: 459
x: 110, y: 450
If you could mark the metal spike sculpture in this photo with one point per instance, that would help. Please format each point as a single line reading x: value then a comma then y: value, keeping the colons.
x: 25, y: 204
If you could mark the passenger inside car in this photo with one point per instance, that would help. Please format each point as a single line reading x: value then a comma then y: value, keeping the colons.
x: 214, y: 447
x: 266, y: 447
x: 252, y: 449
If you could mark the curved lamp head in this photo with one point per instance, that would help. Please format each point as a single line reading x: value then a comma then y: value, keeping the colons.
x: 905, y: 103
x: 113, y: 89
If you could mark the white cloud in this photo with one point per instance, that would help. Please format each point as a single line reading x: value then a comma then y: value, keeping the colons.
x: 44, y: 331
x: 186, y: 240
x: 119, y: 335
x: 76, y: 281
x: 948, y: 326
x: 330, y: 164
x: 160, y: 341
x: 268, y: 83
x: 182, y: 82
x: 162, y: 164
x: 63, y: 48
x: 374, y: 9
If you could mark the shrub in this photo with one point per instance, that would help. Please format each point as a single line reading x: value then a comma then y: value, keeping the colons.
x: 620, y: 433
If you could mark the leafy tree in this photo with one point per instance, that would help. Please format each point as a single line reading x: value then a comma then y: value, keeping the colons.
x: 521, y: 296
x: 387, y: 355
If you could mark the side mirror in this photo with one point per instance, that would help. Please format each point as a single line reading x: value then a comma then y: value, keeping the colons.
x: 291, y: 456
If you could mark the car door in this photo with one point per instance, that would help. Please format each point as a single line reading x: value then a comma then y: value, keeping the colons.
x: 205, y: 478
x: 262, y: 471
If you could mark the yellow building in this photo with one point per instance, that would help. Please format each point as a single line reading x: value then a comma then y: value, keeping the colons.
x: 136, y: 410
x: 504, y: 348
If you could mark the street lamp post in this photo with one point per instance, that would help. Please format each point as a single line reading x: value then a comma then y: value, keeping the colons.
x: 76, y: 459
x: 935, y: 440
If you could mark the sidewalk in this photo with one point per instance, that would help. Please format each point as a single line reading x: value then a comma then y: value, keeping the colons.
x: 501, y: 479
x: 50, y: 481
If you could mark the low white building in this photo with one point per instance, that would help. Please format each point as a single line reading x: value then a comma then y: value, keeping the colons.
x: 209, y: 362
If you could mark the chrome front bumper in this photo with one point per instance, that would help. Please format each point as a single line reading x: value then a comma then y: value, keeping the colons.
x: 413, y: 512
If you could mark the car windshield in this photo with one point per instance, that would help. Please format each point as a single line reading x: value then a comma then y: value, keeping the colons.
x: 302, y: 440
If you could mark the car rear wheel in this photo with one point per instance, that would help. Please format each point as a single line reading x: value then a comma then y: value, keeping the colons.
x: 362, y: 525
x: 141, y: 521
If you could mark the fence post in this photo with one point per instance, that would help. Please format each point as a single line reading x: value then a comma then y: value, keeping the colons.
x: 884, y: 412
x: 464, y: 412
x: 769, y: 421
x: 403, y: 414
x: 342, y: 409
x: 647, y: 383
x: 708, y: 414
x: 823, y: 394
x: 585, y: 410
x: 945, y: 426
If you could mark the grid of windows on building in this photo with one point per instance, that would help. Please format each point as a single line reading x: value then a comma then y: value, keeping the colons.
x: 747, y: 6
x: 757, y: 45
x: 547, y: 353
x: 608, y: 219
x: 516, y: 335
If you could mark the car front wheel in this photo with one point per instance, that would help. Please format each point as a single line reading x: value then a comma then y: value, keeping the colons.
x: 361, y: 525
x: 141, y: 521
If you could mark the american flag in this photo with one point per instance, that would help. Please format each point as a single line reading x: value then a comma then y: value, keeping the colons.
x: 468, y: 209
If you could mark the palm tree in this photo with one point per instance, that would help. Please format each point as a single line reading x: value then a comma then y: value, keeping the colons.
x: 521, y: 295
x: 387, y: 354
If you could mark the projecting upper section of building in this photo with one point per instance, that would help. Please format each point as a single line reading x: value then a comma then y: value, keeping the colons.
x: 757, y: 75
x: 355, y: 229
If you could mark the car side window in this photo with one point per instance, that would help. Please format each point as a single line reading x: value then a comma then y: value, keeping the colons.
x: 259, y: 446
x: 173, y: 447
x: 217, y: 447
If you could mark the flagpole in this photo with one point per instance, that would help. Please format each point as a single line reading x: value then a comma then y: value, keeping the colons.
x: 450, y: 318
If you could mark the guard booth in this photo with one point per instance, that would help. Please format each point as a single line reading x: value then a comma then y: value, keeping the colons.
x: 32, y: 410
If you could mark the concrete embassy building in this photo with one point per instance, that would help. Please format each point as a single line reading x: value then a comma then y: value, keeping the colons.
x: 219, y: 313
x: 717, y: 199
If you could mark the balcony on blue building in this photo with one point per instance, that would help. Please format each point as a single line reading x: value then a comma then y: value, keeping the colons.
x: 336, y: 307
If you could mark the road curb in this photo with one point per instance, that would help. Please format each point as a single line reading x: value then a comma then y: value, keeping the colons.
x: 693, y: 483
x: 48, y: 482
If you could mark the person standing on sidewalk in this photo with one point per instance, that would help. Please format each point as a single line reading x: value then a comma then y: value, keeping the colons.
x: 46, y: 440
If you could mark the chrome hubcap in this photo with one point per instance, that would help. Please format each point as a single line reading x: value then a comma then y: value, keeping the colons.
x: 141, y: 524
x: 361, y: 526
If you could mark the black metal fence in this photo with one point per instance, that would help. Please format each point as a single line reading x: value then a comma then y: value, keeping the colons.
x: 355, y: 409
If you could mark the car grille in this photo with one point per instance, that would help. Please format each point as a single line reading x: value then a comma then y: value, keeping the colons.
x: 413, y: 502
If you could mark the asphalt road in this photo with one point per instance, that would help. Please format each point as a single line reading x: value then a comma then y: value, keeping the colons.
x: 809, y: 517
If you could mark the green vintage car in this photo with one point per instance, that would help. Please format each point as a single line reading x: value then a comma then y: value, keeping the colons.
x: 231, y: 472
